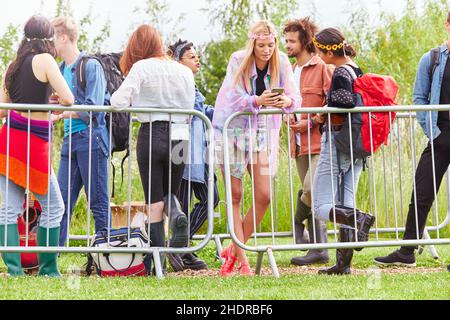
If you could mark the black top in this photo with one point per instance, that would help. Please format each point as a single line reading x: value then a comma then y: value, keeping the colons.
x: 260, y: 85
x: 341, y: 93
x: 26, y: 88
x: 444, y: 116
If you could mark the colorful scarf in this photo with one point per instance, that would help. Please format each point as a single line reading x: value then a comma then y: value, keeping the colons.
x: 18, y: 151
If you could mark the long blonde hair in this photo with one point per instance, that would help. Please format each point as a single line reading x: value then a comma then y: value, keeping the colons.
x: 262, y: 27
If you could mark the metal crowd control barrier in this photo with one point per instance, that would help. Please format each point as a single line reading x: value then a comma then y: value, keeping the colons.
x: 392, y: 179
x: 156, y: 252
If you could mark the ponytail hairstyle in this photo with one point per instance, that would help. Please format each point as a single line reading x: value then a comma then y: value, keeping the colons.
x: 333, y: 40
x: 38, y: 39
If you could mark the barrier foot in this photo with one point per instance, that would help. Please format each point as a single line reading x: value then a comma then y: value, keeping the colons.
x: 273, y: 263
x: 432, y: 249
x: 259, y: 263
x: 158, y: 266
x: 219, y: 248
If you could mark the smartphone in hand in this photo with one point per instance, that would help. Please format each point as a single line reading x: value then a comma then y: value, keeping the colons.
x: 278, y: 91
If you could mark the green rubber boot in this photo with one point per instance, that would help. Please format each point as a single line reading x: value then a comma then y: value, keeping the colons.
x: 12, y: 260
x: 48, y: 262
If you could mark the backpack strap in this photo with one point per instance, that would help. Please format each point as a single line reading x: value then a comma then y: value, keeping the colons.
x: 351, y: 71
x: 81, y: 69
x: 435, y: 57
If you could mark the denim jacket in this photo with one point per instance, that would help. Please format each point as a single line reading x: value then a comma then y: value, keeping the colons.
x: 95, y: 94
x: 427, y: 92
x: 197, y: 165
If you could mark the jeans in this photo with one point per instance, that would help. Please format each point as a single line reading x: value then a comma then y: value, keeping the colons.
x: 79, y: 172
x: 326, y: 180
x: 12, y: 207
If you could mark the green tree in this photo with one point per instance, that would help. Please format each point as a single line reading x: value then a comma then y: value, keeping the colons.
x: 234, y: 18
x: 396, y: 45
x: 8, y: 42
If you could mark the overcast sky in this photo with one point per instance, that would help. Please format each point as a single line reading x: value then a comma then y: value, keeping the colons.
x: 197, y: 25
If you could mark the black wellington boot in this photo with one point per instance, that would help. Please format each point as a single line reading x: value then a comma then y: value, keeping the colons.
x: 343, y: 256
x: 178, y: 222
x: 157, y: 239
x: 346, y: 216
x: 302, y: 214
x: 314, y: 256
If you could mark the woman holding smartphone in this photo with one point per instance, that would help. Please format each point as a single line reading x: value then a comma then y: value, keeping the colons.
x: 257, y: 78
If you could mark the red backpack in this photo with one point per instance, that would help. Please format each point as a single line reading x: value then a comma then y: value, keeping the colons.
x: 375, y: 91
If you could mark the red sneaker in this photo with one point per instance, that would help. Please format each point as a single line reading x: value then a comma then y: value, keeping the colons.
x: 228, y: 268
x: 245, y: 270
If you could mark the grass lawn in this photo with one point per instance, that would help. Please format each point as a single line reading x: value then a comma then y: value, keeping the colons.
x: 429, y: 281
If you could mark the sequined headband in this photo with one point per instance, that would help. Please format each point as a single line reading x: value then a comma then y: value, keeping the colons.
x: 329, y: 47
x: 38, y: 39
x: 259, y: 36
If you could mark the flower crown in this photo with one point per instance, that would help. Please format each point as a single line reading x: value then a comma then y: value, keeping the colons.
x: 260, y: 36
x: 329, y: 47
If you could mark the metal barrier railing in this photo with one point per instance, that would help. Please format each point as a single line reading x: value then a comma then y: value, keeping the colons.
x: 378, y: 161
x: 156, y: 252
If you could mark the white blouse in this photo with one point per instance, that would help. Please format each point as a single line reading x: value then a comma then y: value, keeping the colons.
x: 157, y: 84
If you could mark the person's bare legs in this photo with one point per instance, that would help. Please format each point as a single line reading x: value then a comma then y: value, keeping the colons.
x: 244, y: 229
x: 262, y: 195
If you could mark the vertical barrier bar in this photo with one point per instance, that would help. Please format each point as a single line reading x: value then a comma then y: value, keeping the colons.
x: 413, y: 144
x: 311, y: 172
x: 8, y: 138
x: 89, y: 178
x: 252, y: 169
x: 149, y: 206
x: 393, y: 176
x: 272, y: 223
x: 291, y: 191
x: 189, y: 199
x: 27, y: 191
x: 433, y: 161
x: 110, y: 149
x: 50, y: 173
x: 130, y: 158
x: 385, y: 188
x: 372, y: 173
x: 169, y: 206
x: 69, y: 183
x: 353, y: 177
x: 399, y: 146
x: 333, y: 191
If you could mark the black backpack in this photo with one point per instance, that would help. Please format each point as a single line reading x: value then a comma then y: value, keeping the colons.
x: 119, y: 122
x: 435, y: 57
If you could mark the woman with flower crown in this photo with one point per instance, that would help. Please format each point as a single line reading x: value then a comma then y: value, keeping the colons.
x: 252, y: 75
x: 337, y: 175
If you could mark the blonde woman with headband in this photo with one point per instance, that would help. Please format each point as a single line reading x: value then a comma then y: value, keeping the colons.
x: 252, y: 76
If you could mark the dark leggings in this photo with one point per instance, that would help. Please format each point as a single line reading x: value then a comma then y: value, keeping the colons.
x: 160, y: 159
x: 424, y: 186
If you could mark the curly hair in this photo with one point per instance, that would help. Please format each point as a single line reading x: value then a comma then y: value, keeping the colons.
x: 306, y: 28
